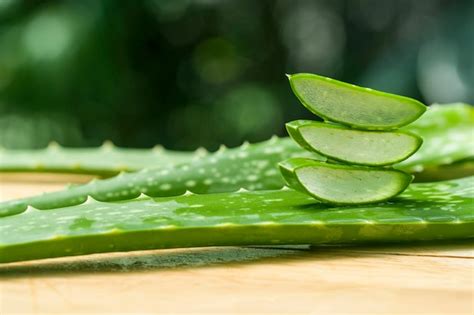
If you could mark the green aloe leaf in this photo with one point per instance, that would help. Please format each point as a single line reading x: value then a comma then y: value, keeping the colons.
x: 447, y: 131
x: 458, y: 169
x: 373, y: 148
x: 343, y: 184
x: 251, y: 166
x: 352, y: 105
x: 105, y: 161
x: 432, y: 211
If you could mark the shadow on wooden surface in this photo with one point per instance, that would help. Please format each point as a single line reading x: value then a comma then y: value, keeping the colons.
x: 148, y: 260
x: 204, y: 257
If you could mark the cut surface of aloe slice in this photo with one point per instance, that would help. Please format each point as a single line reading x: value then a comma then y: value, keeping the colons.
x: 341, y: 184
x: 358, y: 107
x: 373, y: 148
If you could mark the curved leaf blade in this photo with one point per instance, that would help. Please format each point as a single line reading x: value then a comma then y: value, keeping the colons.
x: 433, y: 211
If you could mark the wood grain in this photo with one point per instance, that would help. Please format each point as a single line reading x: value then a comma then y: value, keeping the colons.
x: 416, y: 278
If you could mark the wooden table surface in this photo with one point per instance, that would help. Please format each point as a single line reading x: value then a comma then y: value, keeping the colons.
x: 415, y: 278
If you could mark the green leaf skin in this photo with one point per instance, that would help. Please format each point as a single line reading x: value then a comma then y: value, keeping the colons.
x: 433, y: 211
x: 107, y: 160
x: 343, y: 184
x: 457, y: 169
x: 372, y: 148
x: 251, y: 166
x: 357, y: 107
x: 448, y: 136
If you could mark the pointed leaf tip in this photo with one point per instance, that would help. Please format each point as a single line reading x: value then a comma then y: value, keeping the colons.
x: 90, y: 200
x: 142, y: 196
x: 29, y: 209
x: 53, y: 145
x: 158, y: 148
x: 201, y: 151
x: 245, y: 145
x: 122, y: 172
x: 273, y: 139
x: 107, y: 145
x: 222, y: 148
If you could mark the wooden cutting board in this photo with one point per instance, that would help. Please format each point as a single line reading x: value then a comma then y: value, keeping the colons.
x: 422, y: 278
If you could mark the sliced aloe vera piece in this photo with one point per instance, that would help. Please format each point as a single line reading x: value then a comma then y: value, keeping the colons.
x: 433, y: 211
x: 342, y: 184
x: 352, y: 105
x: 373, y: 148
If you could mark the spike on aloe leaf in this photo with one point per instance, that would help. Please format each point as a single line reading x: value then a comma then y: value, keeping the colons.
x: 53, y: 146
x: 433, y: 211
x: 374, y: 148
x: 343, y: 184
x: 354, y: 106
x: 158, y: 148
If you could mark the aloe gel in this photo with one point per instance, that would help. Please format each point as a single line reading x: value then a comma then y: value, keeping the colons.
x: 341, y: 184
x: 352, y: 105
x: 375, y: 148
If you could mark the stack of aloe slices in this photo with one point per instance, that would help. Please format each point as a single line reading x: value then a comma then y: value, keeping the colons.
x: 359, y: 137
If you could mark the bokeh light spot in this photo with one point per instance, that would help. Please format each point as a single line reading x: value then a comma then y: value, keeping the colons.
x: 47, y: 36
x: 248, y: 110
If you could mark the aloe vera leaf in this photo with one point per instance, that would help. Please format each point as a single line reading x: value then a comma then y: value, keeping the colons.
x: 343, y: 184
x: 106, y: 160
x: 429, y: 211
x: 251, y: 166
x: 458, y: 169
x: 355, y: 106
x: 373, y: 148
x: 448, y: 133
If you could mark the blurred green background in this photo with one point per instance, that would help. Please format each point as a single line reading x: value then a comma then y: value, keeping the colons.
x: 204, y: 72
